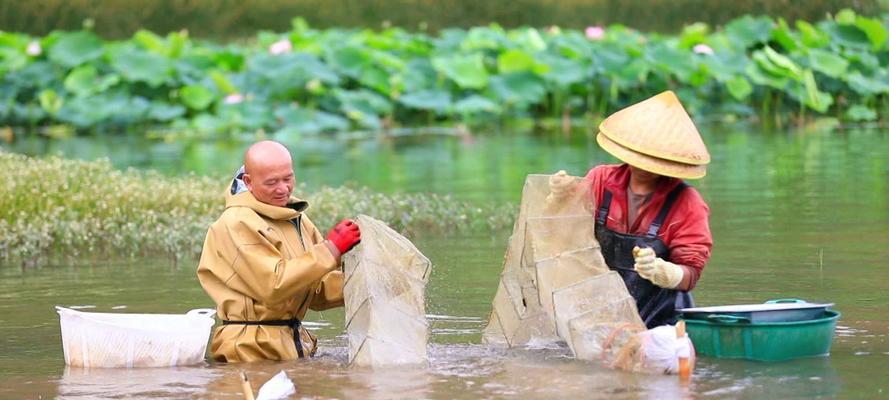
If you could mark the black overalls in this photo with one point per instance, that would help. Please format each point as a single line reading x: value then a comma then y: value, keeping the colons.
x: 657, y: 306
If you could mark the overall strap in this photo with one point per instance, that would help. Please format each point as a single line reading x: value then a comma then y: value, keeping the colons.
x: 602, y: 213
x: 655, y: 226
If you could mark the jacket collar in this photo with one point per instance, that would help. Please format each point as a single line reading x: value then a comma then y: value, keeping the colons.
x: 246, y: 199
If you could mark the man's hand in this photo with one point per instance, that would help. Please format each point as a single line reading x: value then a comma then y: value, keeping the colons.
x: 662, y: 273
x: 345, y: 235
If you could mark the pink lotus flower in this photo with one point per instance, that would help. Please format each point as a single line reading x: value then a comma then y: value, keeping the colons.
x: 280, y: 47
x: 702, y: 49
x: 233, y: 98
x: 34, y: 49
x: 594, y: 32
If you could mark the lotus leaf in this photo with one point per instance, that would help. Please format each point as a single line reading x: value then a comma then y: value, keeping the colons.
x: 811, y: 36
x: 739, y: 87
x: 693, y: 34
x: 860, y: 112
x: 161, y: 111
x: 349, y: 60
x: 222, y: 82
x: 468, y: 70
x: 484, y: 38
x: 150, y: 41
x: 75, y: 48
x: 783, y: 64
x: 518, y: 60
x: 377, y: 79
x: 760, y: 76
x: 251, y: 115
x: 528, y: 39
x: 476, y: 104
x: 671, y: 60
x: 813, y: 97
x: 747, y: 31
x: 609, y: 60
x: 523, y: 88
x: 564, y: 72
x: 303, y: 120
x: 827, y: 63
x: 12, y: 59
x: 418, y: 75
x: 874, y: 29
x: 435, y: 100
x: 782, y: 34
x: 196, y: 97
x: 50, y: 101
x: 571, y: 45
x: 868, y: 85
x: 84, y: 81
x: 846, y: 35
x: 136, y: 65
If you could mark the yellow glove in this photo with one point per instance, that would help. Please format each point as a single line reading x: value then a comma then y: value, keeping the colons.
x: 560, y: 186
x: 662, y: 273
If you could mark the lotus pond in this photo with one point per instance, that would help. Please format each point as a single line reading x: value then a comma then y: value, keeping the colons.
x: 794, y: 214
x: 309, y: 80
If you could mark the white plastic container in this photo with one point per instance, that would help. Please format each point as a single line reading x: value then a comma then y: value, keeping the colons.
x: 108, y: 340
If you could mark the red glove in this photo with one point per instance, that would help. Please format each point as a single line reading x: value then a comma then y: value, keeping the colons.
x: 345, y: 235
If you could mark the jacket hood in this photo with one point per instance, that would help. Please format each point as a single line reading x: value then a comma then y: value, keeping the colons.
x: 245, y: 199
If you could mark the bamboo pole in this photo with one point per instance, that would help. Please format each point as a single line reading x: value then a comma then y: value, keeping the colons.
x: 246, y: 387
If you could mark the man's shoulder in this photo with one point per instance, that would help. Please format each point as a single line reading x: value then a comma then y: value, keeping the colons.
x: 237, y: 215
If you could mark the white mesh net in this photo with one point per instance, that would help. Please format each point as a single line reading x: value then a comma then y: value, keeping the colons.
x: 384, y: 291
x: 552, y: 246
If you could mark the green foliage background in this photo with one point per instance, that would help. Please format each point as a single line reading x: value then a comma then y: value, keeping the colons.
x: 242, y: 18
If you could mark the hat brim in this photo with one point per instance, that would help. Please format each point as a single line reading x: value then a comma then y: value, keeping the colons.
x: 651, y: 164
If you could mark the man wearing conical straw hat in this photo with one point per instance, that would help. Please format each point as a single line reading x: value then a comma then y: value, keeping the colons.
x: 653, y: 228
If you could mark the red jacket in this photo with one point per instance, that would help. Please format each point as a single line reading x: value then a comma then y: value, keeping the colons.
x: 686, y: 230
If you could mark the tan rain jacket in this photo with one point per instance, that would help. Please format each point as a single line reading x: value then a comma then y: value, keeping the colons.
x: 257, y: 266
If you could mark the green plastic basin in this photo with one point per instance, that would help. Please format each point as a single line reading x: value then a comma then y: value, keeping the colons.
x: 726, y: 336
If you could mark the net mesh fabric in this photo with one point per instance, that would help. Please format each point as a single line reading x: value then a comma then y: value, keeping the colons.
x: 552, y: 246
x: 384, y: 293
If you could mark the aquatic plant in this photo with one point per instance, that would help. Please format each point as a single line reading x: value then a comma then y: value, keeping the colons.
x: 71, y: 209
x: 308, y: 80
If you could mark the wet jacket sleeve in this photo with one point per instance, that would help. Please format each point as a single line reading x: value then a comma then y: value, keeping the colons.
x: 263, y: 272
x: 329, y: 292
x: 688, y: 234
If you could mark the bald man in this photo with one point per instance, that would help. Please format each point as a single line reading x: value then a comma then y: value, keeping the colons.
x: 265, y: 263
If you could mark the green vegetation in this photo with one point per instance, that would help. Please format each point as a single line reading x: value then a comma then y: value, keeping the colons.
x: 308, y: 80
x: 227, y: 19
x: 67, y: 210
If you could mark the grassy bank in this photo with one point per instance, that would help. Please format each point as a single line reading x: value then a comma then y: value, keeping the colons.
x: 67, y: 210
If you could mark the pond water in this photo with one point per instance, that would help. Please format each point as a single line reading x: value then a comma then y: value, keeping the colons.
x: 794, y: 215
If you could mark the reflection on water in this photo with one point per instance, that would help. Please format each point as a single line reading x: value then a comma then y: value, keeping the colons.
x: 137, y: 383
x: 793, y: 215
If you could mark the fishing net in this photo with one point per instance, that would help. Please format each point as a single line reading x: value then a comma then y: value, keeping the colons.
x: 555, y: 284
x: 384, y: 292
x: 552, y: 245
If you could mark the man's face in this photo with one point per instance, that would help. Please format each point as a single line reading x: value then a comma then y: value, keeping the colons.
x: 271, y: 181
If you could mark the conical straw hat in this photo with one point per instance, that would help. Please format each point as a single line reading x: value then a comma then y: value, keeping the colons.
x: 658, y: 128
x: 659, y: 166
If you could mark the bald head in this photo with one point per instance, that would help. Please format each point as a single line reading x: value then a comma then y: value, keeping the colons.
x: 268, y: 172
